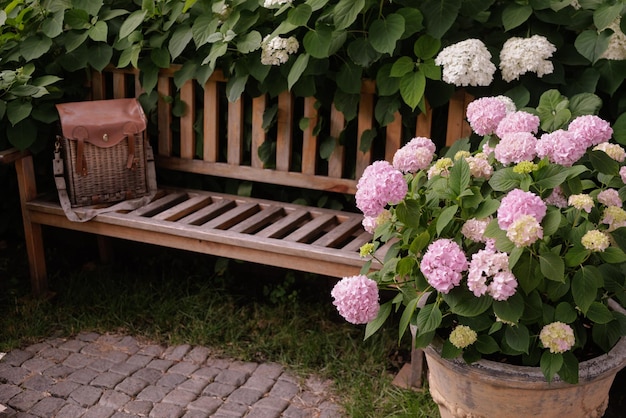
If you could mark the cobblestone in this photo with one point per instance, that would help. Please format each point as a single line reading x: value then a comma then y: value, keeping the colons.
x: 118, y: 376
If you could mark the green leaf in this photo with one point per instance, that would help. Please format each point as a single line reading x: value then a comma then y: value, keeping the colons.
x: 569, y: 370
x: 591, y: 44
x: 619, y: 129
x: 445, y: 217
x: 349, y: 78
x: 552, y: 266
x: 18, y: 110
x: 218, y: 49
x: 362, y: 53
x: 515, y: 14
x: 464, y: 303
x: 327, y: 147
x: 388, y: 85
x: 300, y: 15
x: 298, y: 68
x: 486, y: 344
x: 317, y: 42
x: 510, y: 310
x: 249, y: 42
x: 599, y: 313
x: 53, y: 25
x: 601, y: 161
x: 551, y: 221
x: 585, y: 284
x: 565, y: 313
x: 619, y: 236
x: 439, y: 15
x: 612, y: 74
x: 412, y: 87
x: 402, y: 66
x: 77, y: 19
x: 235, y: 87
x: 385, y: 33
x: 613, y: 255
x: 73, y: 40
x: 584, y: 104
x: 90, y: 6
x: 459, y: 178
x: 606, y: 14
x: 131, y: 23
x: 426, y: 47
x: 160, y: 57
x: 505, y: 179
x: 428, y: 318
x: 367, y: 137
x: 23, y: 134
x: 99, y: 32
x: 413, y: 20
x: 376, y: 323
x: 100, y: 55
x: 517, y: 337
x: 550, y: 364
x: 486, y: 208
x: 34, y: 47
x: 180, y: 39
x: 409, y: 310
x: 346, y: 12
x: 204, y: 26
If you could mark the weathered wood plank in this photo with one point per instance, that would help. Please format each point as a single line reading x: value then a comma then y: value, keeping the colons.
x: 184, y: 208
x: 187, y: 132
x: 284, y: 135
x: 339, y: 233
x: 259, y: 220
x: 311, y: 229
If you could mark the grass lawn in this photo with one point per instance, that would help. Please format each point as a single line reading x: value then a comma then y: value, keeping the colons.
x: 240, y: 310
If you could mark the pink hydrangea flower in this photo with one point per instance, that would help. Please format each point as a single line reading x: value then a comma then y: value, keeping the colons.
x: 485, y: 114
x: 557, y: 198
x: 590, y: 130
x: 557, y: 337
x: 474, y: 229
x: 356, y: 299
x: 524, y: 231
x: 370, y: 223
x: 581, y: 202
x: 609, y: 197
x: 479, y: 166
x: 622, y: 174
x: 503, y: 286
x: 380, y: 185
x: 516, y: 147
x: 518, y: 203
x: 443, y: 263
x: 519, y: 121
x: 416, y: 155
x: 561, y: 147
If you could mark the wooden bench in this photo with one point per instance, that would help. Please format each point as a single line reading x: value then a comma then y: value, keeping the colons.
x: 262, y: 231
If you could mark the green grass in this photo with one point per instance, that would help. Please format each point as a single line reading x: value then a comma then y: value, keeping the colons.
x: 242, y: 311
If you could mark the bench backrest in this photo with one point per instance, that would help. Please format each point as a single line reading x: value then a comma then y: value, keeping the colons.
x: 232, y: 132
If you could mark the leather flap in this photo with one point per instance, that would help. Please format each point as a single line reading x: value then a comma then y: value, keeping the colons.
x: 103, y: 123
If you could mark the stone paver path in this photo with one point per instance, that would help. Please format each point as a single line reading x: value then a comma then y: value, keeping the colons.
x: 103, y: 376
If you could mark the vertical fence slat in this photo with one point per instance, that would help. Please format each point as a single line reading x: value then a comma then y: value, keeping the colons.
x: 284, y: 131
x: 119, y: 85
x: 98, y: 86
x: 457, y: 126
x: 365, y: 121
x: 393, y: 139
x: 337, y: 158
x: 187, y: 133
x: 164, y: 110
x: 235, y: 131
x: 309, y: 146
x: 258, y: 133
x: 424, y: 123
x: 211, y: 121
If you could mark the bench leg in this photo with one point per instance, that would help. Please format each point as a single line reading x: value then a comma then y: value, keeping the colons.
x: 411, y: 376
x: 32, y: 231
x: 105, y: 249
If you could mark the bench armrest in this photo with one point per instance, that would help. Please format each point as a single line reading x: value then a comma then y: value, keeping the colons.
x: 12, y: 154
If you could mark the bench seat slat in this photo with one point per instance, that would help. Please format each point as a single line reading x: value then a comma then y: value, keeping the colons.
x: 311, y: 229
x: 339, y: 233
x: 354, y: 245
x: 233, y: 216
x: 160, y: 205
x: 184, y: 208
x: 285, y: 225
x: 259, y: 220
x: 207, y: 213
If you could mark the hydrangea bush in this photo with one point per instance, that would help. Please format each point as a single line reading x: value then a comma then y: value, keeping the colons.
x: 509, y: 246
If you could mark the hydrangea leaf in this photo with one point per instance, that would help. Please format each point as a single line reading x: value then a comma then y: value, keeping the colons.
x: 552, y: 266
x: 317, y: 42
x: 346, y: 12
x: 510, y: 310
x: 464, y: 303
x: 585, y: 285
x: 376, y: 323
x: 385, y: 33
x: 300, y: 15
x: 550, y: 364
x: 486, y: 344
x: 565, y: 313
x: 428, y: 318
x: 412, y: 87
x: 591, y: 44
x: 439, y: 15
x: 599, y: 313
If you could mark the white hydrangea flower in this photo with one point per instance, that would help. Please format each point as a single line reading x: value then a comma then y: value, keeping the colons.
x: 276, y: 51
x: 268, y: 4
x: 617, y: 43
x: 522, y: 55
x: 466, y: 63
x: 575, y: 4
